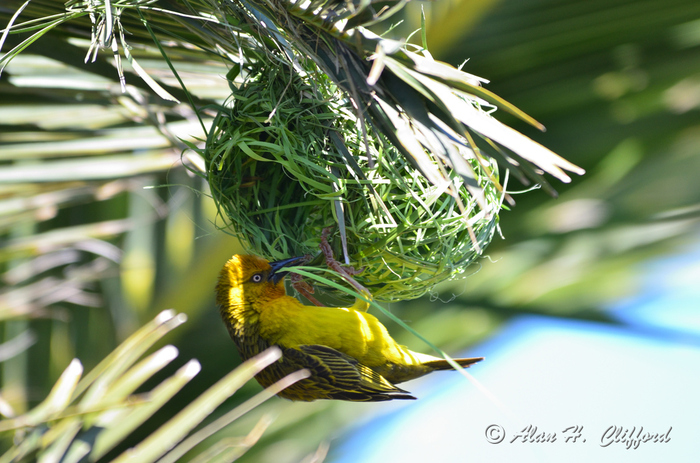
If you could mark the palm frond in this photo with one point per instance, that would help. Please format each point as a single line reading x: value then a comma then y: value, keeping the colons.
x: 87, y: 416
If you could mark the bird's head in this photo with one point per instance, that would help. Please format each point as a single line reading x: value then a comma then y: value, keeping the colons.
x: 247, y: 280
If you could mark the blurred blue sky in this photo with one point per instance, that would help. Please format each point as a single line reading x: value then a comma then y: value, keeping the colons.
x: 670, y: 299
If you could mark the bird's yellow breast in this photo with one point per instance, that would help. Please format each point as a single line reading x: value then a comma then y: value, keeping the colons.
x: 289, y: 323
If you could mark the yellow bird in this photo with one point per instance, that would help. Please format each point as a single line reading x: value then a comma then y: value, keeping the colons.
x: 348, y: 352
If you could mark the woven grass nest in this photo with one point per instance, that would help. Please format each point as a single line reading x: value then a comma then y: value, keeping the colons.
x: 279, y: 174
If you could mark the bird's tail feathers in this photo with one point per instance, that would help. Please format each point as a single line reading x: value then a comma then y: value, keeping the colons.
x: 443, y: 365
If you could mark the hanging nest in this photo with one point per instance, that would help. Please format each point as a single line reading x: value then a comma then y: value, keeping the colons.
x: 280, y: 174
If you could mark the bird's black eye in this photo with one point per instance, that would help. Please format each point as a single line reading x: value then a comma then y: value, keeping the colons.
x: 257, y: 278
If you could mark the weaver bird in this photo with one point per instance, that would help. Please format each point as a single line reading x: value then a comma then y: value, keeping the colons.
x: 348, y: 352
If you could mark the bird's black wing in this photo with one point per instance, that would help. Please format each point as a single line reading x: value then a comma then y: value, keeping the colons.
x: 335, y: 375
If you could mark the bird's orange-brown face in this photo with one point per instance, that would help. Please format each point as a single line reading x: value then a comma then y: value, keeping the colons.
x: 241, y: 268
x: 249, y: 279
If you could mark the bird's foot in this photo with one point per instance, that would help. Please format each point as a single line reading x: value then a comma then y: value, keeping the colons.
x: 303, y: 287
x: 346, y: 272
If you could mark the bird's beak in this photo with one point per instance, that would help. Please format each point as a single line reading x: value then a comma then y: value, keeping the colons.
x: 276, y: 272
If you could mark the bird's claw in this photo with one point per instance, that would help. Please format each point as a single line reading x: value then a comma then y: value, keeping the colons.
x: 346, y: 272
x: 303, y: 287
